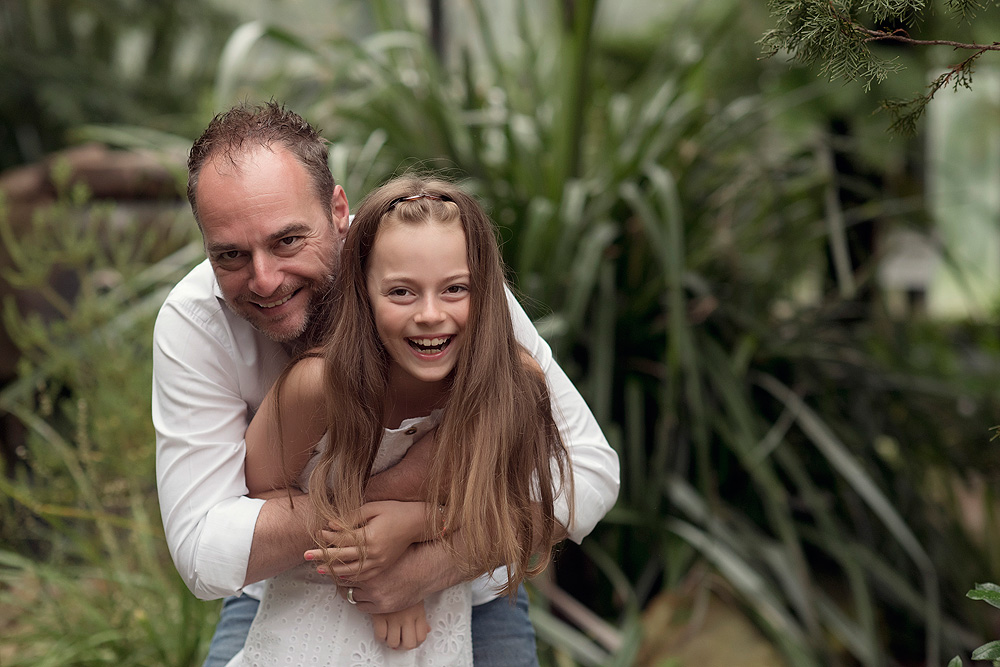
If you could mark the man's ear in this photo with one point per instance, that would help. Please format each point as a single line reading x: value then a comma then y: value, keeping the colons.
x: 340, y: 210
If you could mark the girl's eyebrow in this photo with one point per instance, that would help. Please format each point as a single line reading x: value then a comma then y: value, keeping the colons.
x: 391, y: 277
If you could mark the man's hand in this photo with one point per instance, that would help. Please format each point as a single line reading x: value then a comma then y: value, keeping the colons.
x: 404, y: 481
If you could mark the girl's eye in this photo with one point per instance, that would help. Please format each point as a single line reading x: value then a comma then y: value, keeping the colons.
x: 399, y: 291
x: 456, y: 289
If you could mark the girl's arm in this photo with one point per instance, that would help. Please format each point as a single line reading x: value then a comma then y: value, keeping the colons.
x: 289, y: 423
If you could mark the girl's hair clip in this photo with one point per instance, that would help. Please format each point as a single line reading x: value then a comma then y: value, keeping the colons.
x: 422, y: 195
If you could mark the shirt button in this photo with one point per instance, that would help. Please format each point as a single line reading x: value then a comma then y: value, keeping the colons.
x: 410, y: 431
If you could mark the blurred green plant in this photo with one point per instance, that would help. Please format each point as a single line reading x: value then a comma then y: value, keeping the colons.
x: 102, y: 61
x: 687, y: 244
x: 85, y: 577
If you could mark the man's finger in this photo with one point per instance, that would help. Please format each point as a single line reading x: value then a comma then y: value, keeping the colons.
x: 371, y: 601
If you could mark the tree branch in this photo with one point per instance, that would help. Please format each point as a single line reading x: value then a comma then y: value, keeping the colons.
x: 901, y: 36
x: 828, y: 34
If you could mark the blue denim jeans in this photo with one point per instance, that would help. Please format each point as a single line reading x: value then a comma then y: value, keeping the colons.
x: 231, y: 632
x: 502, y: 634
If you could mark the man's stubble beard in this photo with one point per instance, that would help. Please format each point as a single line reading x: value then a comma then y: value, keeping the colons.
x: 315, y: 326
x: 318, y: 319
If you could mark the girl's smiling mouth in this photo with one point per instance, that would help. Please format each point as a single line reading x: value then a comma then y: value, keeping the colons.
x: 430, y: 345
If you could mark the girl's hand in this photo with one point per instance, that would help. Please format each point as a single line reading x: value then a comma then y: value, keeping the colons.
x: 406, y: 629
x: 390, y: 527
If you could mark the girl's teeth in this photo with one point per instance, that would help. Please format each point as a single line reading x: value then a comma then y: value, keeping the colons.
x: 429, y: 342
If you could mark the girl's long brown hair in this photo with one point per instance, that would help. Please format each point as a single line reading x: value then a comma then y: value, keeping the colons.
x: 499, y: 459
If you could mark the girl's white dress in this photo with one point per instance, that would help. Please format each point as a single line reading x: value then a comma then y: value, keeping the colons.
x: 303, y: 621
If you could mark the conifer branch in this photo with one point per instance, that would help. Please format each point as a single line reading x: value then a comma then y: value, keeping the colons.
x: 906, y: 113
x: 901, y: 36
x: 827, y: 34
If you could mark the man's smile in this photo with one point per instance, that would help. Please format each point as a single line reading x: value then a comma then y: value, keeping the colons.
x: 276, y: 302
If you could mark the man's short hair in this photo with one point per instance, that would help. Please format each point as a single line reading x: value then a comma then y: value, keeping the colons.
x: 235, y: 132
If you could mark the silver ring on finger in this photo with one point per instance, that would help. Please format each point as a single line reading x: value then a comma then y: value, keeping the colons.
x: 350, y: 595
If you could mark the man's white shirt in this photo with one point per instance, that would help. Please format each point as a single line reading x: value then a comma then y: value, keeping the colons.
x: 212, y: 370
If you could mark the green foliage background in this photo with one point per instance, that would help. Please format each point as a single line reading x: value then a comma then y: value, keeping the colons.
x: 691, y: 225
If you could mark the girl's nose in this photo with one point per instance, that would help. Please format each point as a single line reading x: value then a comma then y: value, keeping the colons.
x: 430, y: 313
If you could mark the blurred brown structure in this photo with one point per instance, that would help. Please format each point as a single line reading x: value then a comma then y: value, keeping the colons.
x: 141, y: 184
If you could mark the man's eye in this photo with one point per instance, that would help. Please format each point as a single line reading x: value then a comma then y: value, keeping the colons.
x: 290, y: 240
x: 231, y: 255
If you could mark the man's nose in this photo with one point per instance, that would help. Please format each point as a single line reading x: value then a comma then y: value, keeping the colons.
x: 266, y: 275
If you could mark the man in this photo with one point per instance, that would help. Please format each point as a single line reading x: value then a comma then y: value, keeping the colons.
x: 272, y: 221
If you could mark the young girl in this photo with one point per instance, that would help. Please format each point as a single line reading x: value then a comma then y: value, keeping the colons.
x: 420, y: 338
